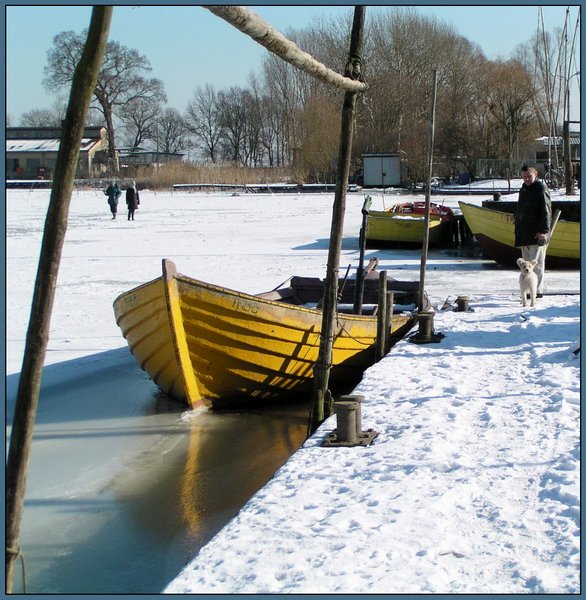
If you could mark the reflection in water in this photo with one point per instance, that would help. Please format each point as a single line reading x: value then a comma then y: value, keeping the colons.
x: 189, y: 477
x: 232, y: 454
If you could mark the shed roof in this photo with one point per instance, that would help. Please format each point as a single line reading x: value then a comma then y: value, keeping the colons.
x: 44, y: 145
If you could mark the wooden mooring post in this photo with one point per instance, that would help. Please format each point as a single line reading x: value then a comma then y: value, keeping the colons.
x: 382, y: 317
x: 389, y: 308
x: 359, y: 289
x: 386, y: 301
x: 425, y: 245
x: 82, y: 89
x: 322, y: 401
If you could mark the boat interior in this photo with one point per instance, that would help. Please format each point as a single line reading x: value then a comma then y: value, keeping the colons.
x: 309, y: 292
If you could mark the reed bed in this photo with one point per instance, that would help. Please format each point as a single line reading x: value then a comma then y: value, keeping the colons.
x: 165, y: 176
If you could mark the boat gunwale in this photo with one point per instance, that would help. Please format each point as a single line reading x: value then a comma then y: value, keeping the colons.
x: 389, y: 215
x: 218, y: 289
x: 503, y: 212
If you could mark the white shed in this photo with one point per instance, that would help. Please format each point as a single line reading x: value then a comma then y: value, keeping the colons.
x: 381, y: 170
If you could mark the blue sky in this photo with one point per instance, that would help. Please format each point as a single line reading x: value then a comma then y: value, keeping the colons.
x: 188, y: 46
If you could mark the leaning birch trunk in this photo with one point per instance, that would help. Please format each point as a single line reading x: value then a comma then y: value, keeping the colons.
x: 260, y: 31
x: 322, y: 400
x: 82, y: 87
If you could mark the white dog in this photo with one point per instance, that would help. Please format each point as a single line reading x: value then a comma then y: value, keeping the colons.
x: 527, y: 281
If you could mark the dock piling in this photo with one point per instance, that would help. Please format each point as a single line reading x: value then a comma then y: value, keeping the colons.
x: 346, y: 413
x: 425, y: 322
x: 381, y: 321
x: 426, y: 333
x: 462, y: 304
x: 349, y: 424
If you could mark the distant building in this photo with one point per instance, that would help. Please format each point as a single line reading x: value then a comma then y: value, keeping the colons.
x: 31, y: 152
x: 132, y: 157
x: 543, y: 145
x: 537, y: 153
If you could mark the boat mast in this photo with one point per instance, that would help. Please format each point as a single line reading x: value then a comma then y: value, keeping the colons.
x: 570, y: 65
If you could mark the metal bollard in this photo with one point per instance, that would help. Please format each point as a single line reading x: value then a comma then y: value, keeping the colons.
x: 426, y: 334
x: 357, y: 400
x: 462, y: 302
x: 349, y: 424
x: 346, y: 416
x: 425, y: 321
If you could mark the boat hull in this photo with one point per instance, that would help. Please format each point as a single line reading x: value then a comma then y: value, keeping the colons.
x: 235, y: 345
x: 384, y: 228
x: 495, y: 232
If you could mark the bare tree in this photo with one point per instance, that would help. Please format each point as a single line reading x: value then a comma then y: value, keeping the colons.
x: 170, y: 131
x: 459, y: 128
x: 203, y: 121
x: 282, y: 84
x: 403, y: 48
x: 409, y: 47
x: 320, y: 139
x: 54, y: 116
x: 42, y: 117
x: 122, y: 77
x: 232, y: 118
x: 270, y: 132
x: 253, y: 148
x: 46, y: 117
x: 508, y: 93
x: 95, y: 118
x: 140, y: 117
x: 267, y: 121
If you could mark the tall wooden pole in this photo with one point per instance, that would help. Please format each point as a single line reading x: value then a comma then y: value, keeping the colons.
x: 322, y: 401
x: 568, y: 171
x: 82, y: 88
x: 425, y: 244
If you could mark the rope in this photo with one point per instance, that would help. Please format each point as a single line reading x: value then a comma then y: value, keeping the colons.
x: 17, y: 553
x: 342, y: 328
x: 261, y: 32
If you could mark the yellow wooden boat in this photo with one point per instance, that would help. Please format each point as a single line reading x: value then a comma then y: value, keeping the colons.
x: 495, y: 232
x: 404, y: 224
x: 203, y: 343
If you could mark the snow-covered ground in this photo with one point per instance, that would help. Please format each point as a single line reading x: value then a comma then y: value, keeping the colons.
x: 472, y: 484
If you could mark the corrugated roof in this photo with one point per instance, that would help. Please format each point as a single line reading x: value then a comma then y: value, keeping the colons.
x: 44, y: 145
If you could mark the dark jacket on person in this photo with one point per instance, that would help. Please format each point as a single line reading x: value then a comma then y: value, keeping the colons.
x: 113, y: 192
x: 532, y: 214
x: 132, y: 198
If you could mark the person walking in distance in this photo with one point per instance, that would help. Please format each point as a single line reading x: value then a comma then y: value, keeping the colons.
x: 533, y: 222
x: 132, y: 200
x: 113, y: 192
